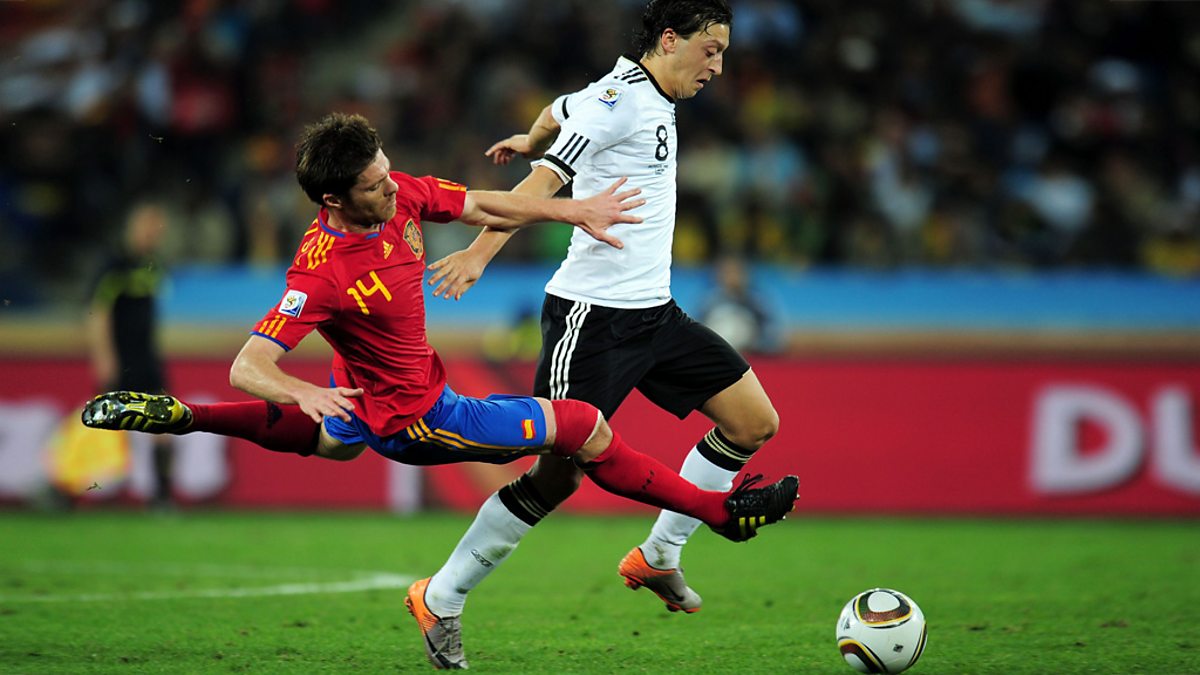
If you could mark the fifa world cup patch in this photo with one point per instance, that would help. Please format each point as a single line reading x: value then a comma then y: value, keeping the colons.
x: 293, y: 303
x: 610, y: 97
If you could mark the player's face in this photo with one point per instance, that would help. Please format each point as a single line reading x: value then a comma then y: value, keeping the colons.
x: 698, y: 59
x: 373, y: 198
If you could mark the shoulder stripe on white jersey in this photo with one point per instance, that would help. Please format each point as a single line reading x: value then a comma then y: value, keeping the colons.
x: 564, y: 108
x: 579, y: 151
x: 569, y: 146
x: 560, y: 360
x: 572, y: 148
x: 635, y: 80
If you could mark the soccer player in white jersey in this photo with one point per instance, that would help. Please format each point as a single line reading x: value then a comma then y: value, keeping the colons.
x: 609, y: 323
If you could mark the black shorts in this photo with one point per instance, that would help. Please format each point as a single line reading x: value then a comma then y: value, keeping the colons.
x: 601, y: 354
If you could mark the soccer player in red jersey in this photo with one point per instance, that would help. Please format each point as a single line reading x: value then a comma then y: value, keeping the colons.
x: 357, y: 280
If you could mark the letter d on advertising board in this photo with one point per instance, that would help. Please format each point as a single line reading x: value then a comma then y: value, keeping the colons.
x: 1061, y: 466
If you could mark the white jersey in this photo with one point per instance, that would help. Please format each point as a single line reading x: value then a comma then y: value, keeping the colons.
x: 622, y: 125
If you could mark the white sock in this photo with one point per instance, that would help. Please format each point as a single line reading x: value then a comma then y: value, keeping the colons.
x: 671, y: 531
x: 486, y: 544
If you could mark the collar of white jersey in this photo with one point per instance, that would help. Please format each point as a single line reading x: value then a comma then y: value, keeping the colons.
x: 634, y: 60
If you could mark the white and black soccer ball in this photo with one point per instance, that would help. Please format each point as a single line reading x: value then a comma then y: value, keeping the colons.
x: 881, y: 631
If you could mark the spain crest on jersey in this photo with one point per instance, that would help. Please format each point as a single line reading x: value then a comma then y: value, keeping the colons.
x: 412, y: 236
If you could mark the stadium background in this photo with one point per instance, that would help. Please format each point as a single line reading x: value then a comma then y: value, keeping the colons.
x: 974, y: 224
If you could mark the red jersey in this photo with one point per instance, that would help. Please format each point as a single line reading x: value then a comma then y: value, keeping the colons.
x: 364, y: 294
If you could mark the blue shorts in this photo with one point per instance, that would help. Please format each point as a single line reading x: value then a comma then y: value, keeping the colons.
x: 495, y: 430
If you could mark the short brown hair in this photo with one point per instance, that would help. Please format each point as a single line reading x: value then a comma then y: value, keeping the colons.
x: 333, y: 152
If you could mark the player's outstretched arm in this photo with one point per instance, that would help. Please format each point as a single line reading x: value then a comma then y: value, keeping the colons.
x: 456, y: 273
x: 502, y: 211
x: 256, y: 371
x: 531, y: 145
x: 594, y: 215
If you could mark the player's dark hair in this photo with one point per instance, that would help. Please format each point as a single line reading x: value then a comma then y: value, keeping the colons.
x: 333, y: 152
x: 685, y: 17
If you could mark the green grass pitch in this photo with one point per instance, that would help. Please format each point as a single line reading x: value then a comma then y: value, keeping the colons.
x: 217, y: 592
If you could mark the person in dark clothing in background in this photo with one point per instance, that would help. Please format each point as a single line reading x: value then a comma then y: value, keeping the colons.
x: 122, y: 325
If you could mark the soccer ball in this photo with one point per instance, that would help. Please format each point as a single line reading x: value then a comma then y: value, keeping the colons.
x: 881, y: 631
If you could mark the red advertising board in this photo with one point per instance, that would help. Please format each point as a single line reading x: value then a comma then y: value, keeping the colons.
x: 255, y: 477
x: 866, y: 436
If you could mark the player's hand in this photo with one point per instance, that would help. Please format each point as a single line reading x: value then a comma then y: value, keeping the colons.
x: 335, y: 402
x: 605, y: 209
x: 456, y: 273
x: 518, y: 144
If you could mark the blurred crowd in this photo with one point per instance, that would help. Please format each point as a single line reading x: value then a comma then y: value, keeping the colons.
x: 877, y: 133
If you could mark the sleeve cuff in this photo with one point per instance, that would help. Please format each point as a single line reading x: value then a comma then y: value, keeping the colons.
x: 565, y: 172
x: 263, y: 335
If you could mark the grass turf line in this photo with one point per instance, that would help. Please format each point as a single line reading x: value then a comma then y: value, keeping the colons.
x: 1007, y: 596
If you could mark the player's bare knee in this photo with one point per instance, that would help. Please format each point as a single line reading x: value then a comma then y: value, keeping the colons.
x: 597, y: 443
x: 580, y: 431
x: 753, y: 432
x: 768, y: 426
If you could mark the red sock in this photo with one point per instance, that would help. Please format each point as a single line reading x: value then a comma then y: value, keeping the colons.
x: 624, y: 471
x: 280, y: 428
